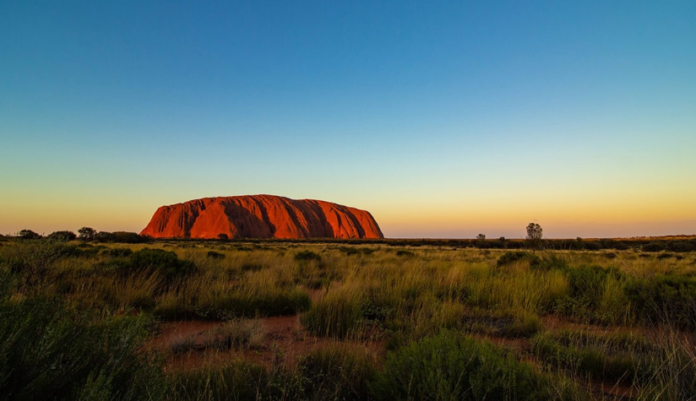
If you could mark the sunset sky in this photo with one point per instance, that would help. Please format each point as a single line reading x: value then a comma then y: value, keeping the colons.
x: 443, y: 119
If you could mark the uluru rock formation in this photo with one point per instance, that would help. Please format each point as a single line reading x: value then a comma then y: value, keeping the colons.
x: 261, y: 216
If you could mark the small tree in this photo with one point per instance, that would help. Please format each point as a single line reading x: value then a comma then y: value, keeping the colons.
x: 579, y: 244
x: 87, y: 233
x: 481, y: 237
x: 28, y: 234
x: 534, y: 235
x: 62, y: 236
x: 103, y: 236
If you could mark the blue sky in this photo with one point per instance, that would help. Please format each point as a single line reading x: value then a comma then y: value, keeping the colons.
x: 443, y: 119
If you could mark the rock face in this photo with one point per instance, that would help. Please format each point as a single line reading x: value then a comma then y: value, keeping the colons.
x: 261, y: 216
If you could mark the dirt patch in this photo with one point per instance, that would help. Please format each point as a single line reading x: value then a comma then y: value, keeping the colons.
x: 174, y: 332
x: 614, y: 390
x: 284, y: 341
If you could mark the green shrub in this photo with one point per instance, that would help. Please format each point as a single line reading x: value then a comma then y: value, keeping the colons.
x: 355, y: 250
x: 669, y: 300
x: 586, y: 287
x: 349, y: 250
x: 503, y: 324
x: 117, y: 252
x: 241, y: 305
x: 167, y: 263
x: 307, y: 256
x: 237, y: 381
x: 32, y: 262
x: 63, y: 236
x: 335, y: 315
x: 517, y: 256
x: 28, y: 234
x: 337, y: 373
x: 49, y: 352
x: 551, y: 262
x: 524, y: 327
x: 654, y: 247
x: 215, y: 255
x: 680, y: 246
x: 251, y: 267
x: 616, y: 358
x: 592, y: 245
x: 451, y: 367
x: 664, y: 256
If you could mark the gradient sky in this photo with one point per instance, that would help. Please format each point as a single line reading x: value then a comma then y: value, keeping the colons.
x: 443, y: 119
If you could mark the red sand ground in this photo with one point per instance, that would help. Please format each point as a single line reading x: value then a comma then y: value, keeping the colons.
x: 285, y: 340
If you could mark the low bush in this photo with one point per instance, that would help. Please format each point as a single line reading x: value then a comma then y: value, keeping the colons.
x: 32, y: 262
x: 63, y: 236
x: 233, y: 381
x: 28, y: 234
x: 665, y: 256
x: 616, y: 358
x: 165, y: 262
x: 654, y: 247
x: 337, y: 314
x: 404, y: 253
x: 680, y: 246
x: 323, y: 374
x: 305, y: 256
x: 349, y: 250
x: 452, y: 367
x: 215, y: 255
x: 551, y: 262
x: 502, y: 324
x: 117, y: 252
x: 337, y: 373
x: 49, y: 352
x: 251, y: 267
x: 356, y: 250
x: 237, y: 304
x: 525, y: 327
x: 586, y: 289
x: 669, y: 300
x: 511, y: 257
x: 592, y: 245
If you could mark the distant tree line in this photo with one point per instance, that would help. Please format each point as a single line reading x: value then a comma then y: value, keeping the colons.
x: 87, y: 234
x: 534, y: 240
x: 578, y: 244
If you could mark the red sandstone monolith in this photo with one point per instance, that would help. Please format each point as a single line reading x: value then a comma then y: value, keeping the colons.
x: 261, y: 216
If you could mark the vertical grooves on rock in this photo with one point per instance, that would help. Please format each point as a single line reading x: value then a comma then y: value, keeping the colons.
x: 264, y: 216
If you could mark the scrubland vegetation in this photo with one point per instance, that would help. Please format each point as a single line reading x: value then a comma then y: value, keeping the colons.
x: 376, y: 321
